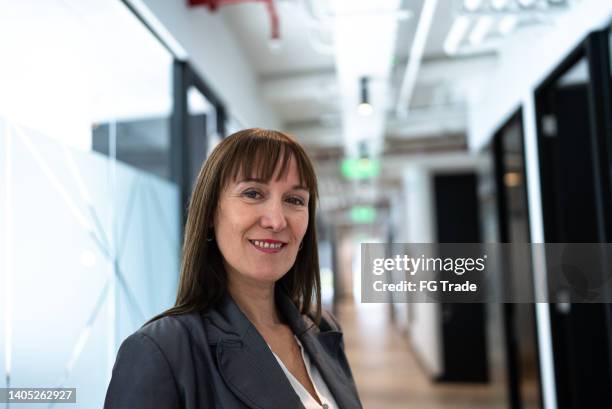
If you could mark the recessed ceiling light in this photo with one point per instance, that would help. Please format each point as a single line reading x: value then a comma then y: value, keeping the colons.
x: 527, y: 3
x: 471, y: 5
x: 507, y: 24
x: 499, y: 4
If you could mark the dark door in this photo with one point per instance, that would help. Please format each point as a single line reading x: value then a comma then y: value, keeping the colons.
x: 522, y: 358
x: 463, y: 325
x: 573, y: 117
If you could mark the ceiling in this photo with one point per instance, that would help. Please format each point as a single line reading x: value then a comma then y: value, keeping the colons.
x: 302, y: 86
x: 300, y: 81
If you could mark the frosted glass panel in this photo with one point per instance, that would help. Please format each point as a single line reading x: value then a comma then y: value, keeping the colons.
x: 89, y: 250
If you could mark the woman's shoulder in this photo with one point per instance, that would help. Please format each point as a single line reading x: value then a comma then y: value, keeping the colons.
x: 147, y: 369
x: 328, y: 321
x: 168, y: 331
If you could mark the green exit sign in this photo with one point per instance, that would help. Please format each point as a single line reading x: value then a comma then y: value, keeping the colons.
x: 362, y: 168
x: 363, y: 214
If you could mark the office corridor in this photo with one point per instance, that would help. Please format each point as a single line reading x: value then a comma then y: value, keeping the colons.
x: 389, y: 377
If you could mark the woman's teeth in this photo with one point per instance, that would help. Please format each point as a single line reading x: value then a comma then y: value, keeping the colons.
x: 266, y: 245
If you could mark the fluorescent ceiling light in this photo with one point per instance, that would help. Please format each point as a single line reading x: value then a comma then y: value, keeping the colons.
x: 507, y: 24
x: 416, y: 55
x: 480, y: 30
x: 527, y: 3
x: 456, y: 34
x: 472, y: 5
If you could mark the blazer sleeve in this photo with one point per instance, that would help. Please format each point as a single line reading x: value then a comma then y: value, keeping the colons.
x: 142, y: 377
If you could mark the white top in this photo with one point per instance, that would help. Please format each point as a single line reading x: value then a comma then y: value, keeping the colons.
x: 317, y: 380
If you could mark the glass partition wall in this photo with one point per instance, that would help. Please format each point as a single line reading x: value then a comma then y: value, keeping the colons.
x: 90, y: 201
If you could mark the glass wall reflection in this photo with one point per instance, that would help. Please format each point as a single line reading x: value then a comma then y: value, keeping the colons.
x: 89, y: 237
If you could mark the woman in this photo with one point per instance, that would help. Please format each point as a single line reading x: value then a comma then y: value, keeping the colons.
x: 247, y: 330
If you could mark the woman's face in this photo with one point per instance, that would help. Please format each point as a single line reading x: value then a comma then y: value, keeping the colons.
x: 259, y: 226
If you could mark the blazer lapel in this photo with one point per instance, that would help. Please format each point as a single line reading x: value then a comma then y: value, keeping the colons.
x: 324, y: 349
x: 245, y: 362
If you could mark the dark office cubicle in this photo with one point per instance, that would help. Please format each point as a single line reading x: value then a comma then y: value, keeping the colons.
x: 574, y: 133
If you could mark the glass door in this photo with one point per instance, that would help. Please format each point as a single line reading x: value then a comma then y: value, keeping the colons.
x: 574, y: 133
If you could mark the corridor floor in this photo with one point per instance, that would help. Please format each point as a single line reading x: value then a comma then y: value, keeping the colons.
x: 388, y: 375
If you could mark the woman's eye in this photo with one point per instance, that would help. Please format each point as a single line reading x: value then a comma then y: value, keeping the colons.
x: 296, y: 201
x: 251, y: 194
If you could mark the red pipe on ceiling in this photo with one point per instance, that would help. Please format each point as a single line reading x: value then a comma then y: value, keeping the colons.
x: 213, y: 5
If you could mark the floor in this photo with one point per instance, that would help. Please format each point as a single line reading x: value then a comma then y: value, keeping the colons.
x: 387, y: 373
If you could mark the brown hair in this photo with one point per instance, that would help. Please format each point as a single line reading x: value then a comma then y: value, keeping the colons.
x: 254, y: 152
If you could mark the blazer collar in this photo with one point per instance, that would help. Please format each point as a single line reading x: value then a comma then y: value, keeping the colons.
x: 250, y: 369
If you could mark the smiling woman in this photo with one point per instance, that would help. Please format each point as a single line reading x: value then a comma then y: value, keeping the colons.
x: 260, y: 225
x: 247, y: 329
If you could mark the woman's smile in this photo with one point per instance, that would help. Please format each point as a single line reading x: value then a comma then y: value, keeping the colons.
x: 268, y: 246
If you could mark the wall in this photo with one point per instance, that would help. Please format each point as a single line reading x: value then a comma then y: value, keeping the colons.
x: 522, y: 68
x: 423, y: 319
x: 215, y: 52
x: 89, y: 251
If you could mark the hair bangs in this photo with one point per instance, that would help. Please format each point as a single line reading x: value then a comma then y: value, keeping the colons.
x: 263, y: 158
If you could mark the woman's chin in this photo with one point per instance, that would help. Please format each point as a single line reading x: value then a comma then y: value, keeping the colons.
x: 268, y: 277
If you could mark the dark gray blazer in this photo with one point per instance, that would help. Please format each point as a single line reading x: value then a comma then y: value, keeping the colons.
x: 218, y: 360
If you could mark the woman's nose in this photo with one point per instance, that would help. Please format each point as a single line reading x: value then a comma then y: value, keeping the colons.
x: 274, y: 216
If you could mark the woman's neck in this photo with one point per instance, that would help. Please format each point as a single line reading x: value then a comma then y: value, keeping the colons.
x: 257, y: 302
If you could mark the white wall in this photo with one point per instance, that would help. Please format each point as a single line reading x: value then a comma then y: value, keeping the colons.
x: 423, y: 319
x: 526, y: 61
x: 424, y: 325
x: 216, y: 54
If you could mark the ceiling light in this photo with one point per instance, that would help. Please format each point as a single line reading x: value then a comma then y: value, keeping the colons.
x: 364, y: 108
x: 499, y: 4
x: 275, y: 45
x: 507, y: 24
x: 456, y: 34
x: 480, y: 30
x: 527, y: 3
x: 471, y: 5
